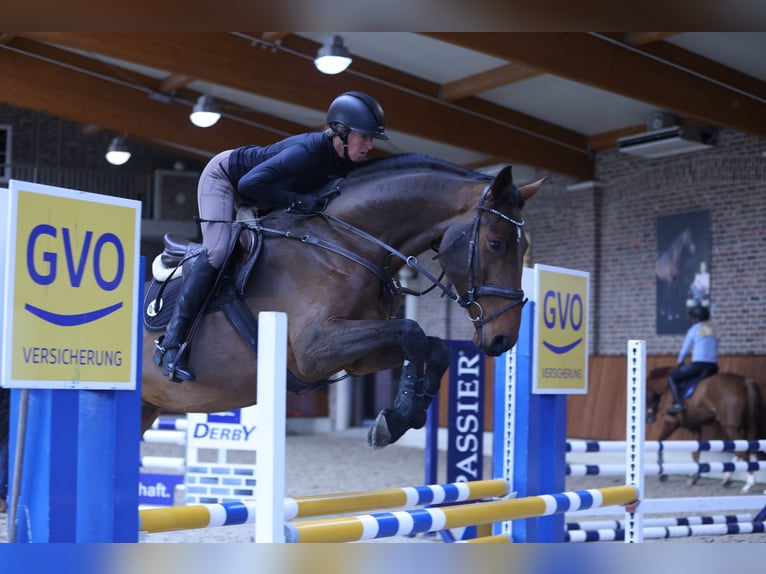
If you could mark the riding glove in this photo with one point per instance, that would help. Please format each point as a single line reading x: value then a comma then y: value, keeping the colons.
x: 308, y: 203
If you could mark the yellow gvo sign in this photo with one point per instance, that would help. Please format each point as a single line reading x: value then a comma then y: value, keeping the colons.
x: 71, y: 290
x: 561, y: 331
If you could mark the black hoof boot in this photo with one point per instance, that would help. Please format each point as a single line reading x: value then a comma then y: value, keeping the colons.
x: 408, y: 410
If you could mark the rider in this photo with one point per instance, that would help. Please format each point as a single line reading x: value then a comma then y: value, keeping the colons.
x: 270, y: 177
x: 703, y: 344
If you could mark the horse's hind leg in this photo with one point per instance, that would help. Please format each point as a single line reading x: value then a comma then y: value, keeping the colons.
x: 749, y: 481
x: 417, y: 388
x: 149, y: 414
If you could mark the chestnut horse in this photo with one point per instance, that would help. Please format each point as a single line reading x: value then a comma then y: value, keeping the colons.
x: 727, y: 404
x: 334, y: 275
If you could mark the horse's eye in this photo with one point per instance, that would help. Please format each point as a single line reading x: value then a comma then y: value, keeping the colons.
x: 496, y: 245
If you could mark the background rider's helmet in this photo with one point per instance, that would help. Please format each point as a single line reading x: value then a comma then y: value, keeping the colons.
x: 700, y: 313
x: 358, y: 112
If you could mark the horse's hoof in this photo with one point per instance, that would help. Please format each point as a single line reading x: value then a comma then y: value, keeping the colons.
x: 379, y: 436
x: 663, y: 478
x: 388, y: 428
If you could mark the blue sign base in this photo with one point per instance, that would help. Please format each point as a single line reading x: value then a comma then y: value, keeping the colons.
x: 79, y: 472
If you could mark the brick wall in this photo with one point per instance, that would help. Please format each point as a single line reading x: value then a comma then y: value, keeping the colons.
x: 612, y: 233
x: 52, y: 151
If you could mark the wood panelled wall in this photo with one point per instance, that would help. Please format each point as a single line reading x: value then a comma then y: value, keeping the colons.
x: 600, y: 415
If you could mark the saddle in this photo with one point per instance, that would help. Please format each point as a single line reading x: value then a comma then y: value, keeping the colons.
x: 689, y: 385
x: 179, y: 252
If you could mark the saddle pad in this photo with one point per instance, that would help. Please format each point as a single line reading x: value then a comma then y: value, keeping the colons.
x: 157, y: 321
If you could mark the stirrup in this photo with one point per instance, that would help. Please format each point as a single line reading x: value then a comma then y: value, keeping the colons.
x: 674, y: 409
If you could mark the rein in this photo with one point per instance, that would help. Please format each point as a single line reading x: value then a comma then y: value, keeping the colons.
x: 470, y: 299
x: 385, y: 277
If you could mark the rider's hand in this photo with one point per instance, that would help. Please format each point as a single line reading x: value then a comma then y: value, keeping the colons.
x: 308, y: 204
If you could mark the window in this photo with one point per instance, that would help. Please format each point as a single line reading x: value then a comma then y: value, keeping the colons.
x: 5, y: 154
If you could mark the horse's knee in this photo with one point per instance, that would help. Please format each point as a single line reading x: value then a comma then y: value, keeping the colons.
x: 438, y: 355
x: 414, y: 341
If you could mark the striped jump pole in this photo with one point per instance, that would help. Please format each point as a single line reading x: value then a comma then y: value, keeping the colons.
x: 580, y: 446
x: 229, y: 513
x: 657, y: 532
x: 679, y: 521
x: 163, y: 462
x: 402, y: 523
x: 654, y: 469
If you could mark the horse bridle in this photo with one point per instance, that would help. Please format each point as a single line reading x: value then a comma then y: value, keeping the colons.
x: 470, y: 299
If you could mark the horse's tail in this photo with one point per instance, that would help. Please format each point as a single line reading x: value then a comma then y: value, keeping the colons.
x: 756, y: 413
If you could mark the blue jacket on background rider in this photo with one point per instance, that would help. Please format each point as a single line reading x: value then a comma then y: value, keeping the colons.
x: 702, y: 343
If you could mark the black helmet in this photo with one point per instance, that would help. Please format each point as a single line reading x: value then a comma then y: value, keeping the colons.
x: 358, y: 112
x: 700, y: 313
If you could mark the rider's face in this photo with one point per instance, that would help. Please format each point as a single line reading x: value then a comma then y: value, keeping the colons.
x: 358, y: 146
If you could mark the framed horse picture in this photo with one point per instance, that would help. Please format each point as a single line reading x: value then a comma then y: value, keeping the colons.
x: 682, y: 269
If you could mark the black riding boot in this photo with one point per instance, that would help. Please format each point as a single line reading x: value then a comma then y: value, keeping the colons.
x: 678, y: 405
x: 193, y: 293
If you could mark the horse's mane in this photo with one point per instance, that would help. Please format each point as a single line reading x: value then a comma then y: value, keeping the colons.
x: 411, y: 162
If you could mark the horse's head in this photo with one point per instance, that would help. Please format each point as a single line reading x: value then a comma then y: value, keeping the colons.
x: 656, y: 385
x: 484, y: 259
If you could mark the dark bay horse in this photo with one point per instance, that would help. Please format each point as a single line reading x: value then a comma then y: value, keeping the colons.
x: 726, y: 405
x: 334, y: 275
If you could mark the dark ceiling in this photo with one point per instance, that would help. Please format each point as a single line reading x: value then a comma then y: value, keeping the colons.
x: 545, y: 100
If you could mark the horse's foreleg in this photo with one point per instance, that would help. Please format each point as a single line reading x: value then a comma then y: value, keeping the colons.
x: 660, y: 460
x: 694, y: 478
x: 417, y: 388
x: 365, y: 346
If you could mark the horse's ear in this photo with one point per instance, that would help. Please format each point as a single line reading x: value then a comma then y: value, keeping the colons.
x: 530, y: 189
x: 501, y: 184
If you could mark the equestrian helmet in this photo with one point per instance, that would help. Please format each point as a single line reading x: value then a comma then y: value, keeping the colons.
x: 700, y: 313
x: 358, y: 112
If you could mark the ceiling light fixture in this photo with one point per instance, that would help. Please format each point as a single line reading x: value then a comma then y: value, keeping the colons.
x: 118, y: 152
x: 205, y: 112
x: 333, y: 57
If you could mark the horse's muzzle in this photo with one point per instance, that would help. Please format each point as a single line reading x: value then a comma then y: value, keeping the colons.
x: 498, y: 345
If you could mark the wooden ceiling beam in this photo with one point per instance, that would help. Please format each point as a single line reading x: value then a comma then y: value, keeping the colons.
x: 485, y: 81
x: 641, y: 38
x: 174, y: 82
x: 86, y: 99
x: 230, y: 60
x: 587, y: 59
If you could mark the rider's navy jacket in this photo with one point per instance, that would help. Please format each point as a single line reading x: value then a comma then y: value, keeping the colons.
x: 297, y: 164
